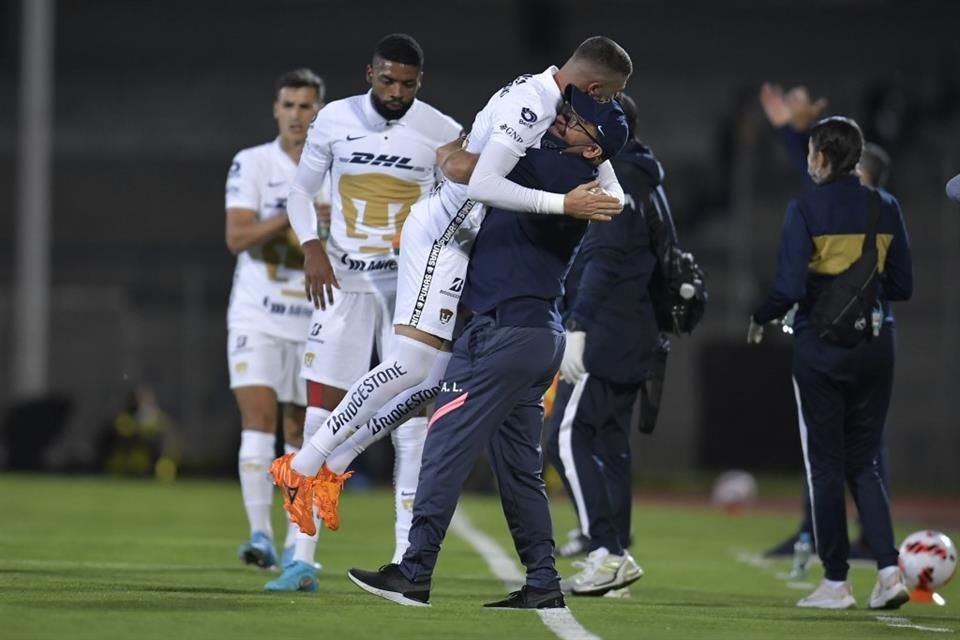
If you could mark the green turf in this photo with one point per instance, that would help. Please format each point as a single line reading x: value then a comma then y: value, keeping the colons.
x: 93, y: 558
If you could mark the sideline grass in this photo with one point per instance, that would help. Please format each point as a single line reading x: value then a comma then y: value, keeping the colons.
x: 93, y: 558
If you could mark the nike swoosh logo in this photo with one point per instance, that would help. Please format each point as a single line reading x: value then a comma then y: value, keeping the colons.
x: 352, y: 138
x: 274, y: 184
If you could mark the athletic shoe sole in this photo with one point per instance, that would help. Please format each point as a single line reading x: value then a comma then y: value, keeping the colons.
x: 392, y: 596
x: 616, y: 583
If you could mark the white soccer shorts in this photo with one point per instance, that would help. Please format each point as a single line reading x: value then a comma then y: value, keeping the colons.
x: 260, y: 360
x: 342, y: 337
x: 431, y: 277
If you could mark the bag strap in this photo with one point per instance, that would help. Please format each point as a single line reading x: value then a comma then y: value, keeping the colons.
x: 873, y: 221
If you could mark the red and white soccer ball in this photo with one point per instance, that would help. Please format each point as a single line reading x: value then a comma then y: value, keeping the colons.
x: 734, y: 490
x: 928, y: 560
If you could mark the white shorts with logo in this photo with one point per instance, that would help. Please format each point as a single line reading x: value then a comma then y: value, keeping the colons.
x: 260, y: 360
x: 432, y: 273
x: 342, y: 337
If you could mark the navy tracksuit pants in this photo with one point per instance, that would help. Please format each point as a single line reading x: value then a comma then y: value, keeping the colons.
x: 589, y: 443
x: 491, y: 396
x: 842, y: 396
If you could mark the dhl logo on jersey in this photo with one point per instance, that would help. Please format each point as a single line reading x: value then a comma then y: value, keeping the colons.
x: 384, y: 160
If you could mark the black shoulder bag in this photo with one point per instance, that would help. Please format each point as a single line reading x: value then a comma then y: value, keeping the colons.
x: 842, y: 313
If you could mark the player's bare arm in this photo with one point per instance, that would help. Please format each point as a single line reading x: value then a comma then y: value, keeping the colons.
x: 244, y: 229
x: 319, y: 278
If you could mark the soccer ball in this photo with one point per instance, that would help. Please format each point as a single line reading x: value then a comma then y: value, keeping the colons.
x: 733, y: 490
x: 928, y: 560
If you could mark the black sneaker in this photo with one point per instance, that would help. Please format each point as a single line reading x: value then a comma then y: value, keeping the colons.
x: 389, y: 583
x: 527, y: 598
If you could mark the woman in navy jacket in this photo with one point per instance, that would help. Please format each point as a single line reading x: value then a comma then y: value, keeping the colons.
x: 842, y: 393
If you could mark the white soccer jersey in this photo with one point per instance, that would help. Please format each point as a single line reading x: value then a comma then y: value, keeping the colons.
x: 516, y: 116
x: 268, y: 289
x: 378, y: 169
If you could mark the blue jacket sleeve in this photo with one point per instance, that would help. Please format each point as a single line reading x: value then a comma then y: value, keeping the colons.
x: 796, y: 247
x: 608, y: 244
x: 795, y: 142
x: 898, y: 268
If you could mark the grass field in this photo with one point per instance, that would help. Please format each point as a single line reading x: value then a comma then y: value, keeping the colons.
x: 95, y: 558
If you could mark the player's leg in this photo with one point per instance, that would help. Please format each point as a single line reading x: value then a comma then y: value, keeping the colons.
x: 597, y: 451
x: 482, y: 383
x: 865, y: 421
x: 293, y: 417
x: 254, y: 361
x: 576, y: 542
x: 821, y: 408
x: 337, y: 352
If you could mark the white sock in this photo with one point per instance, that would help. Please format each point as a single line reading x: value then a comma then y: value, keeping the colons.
x: 408, y: 363
x: 253, y: 464
x: 408, y: 447
x: 392, y: 415
x: 292, y: 529
x: 305, y: 547
x: 836, y: 584
x: 308, y: 460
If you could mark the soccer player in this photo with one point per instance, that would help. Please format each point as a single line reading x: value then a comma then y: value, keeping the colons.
x: 502, y: 364
x: 380, y: 150
x: 268, y: 315
x: 433, y: 258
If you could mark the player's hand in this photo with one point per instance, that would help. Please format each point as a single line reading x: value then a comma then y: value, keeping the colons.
x: 774, y: 104
x: 445, y: 150
x: 803, y: 112
x: 754, y: 332
x: 589, y: 202
x: 319, y: 279
x: 571, y: 367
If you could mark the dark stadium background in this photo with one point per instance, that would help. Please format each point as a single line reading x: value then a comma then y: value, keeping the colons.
x: 153, y: 98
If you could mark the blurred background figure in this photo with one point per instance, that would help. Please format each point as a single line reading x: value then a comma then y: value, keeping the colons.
x: 140, y: 441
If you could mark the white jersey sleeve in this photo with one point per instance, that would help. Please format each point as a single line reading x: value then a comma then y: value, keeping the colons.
x: 311, y: 174
x: 609, y: 182
x: 514, y: 119
x: 243, y: 182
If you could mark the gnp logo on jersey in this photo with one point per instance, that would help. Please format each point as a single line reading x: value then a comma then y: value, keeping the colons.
x: 510, y: 131
x: 527, y: 117
x: 445, y: 316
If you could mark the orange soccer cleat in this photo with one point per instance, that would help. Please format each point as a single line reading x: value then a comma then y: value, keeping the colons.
x: 298, y: 493
x: 328, y: 488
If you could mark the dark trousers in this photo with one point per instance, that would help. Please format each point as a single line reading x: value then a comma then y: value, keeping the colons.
x: 492, y: 396
x: 589, y: 443
x: 843, y: 396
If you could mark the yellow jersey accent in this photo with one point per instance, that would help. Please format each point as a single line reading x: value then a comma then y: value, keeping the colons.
x: 834, y: 254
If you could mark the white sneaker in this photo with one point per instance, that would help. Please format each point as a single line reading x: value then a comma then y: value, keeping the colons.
x: 827, y: 597
x: 603, y: 572
x: 889, y: 593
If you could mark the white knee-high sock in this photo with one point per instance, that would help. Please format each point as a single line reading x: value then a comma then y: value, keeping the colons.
x: 391, y: 416
x: 408, y: 446
x: 305, y: 547
x: 253, y: 464
x: 292, y: 529
x: 407, y: 365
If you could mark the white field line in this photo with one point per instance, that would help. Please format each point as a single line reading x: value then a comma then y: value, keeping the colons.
x: 560, y: 621
x: 904, y: 623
